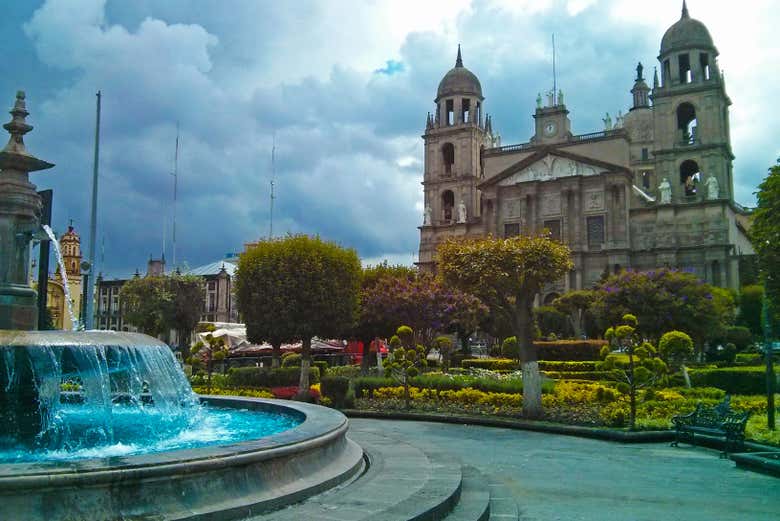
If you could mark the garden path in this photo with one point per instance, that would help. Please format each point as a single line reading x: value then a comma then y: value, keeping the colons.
x: 576, y: 479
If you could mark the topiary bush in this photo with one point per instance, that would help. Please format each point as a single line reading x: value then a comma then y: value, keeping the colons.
x: 336, y: 388
x: 266, y: 377
x: 733, y: 380
x: 291, y: 360
x: 675, y: 347
x: 569, y: 349
x: 510, y: 348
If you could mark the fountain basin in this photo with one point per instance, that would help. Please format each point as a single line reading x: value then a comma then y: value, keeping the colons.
x: 217, y: 482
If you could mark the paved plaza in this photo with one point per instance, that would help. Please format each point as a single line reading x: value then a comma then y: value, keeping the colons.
x: 568, y: 478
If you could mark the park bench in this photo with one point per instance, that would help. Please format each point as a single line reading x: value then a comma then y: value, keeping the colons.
x: 716, y: 421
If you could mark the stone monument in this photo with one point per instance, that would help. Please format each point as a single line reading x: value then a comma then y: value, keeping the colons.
x: 713, y: 190
x: 665, y: 189
x: 427, y: 216
x: 20, y: 214
x: 461, y: 212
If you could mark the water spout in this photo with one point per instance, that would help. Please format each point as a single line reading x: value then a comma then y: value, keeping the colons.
x: 64, y: 273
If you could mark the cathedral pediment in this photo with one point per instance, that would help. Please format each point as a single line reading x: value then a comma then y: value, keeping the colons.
x: 547, y: 165
x: 548, y: 168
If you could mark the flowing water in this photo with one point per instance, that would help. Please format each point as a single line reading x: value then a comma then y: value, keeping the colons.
x: 108, y: 393
x: 68, y: 300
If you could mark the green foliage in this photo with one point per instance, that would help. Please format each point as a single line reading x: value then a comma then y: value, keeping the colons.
x: 576, y: 305
x: 675, y: 347
x: 406, y: 334
x: 298, y: 287
x: 552, y: 322
x: 491, y: 364
x: 444, y: 346
x: 506, y: 274
x: 604, y: 352
x: 406, y: 362
x: 733, y: 380
x: 750, y: 303
x: 569, y: 349
x: 549, y: 365
x: 740, y: 336
x: 336, y: 388
x: 158, y: 304
x: 365, y: 386
x: 595, y: 376
x: 765, y: 236
x: 291, y: 360
x: 323, y: 366
x: 256, y: 377
x: 510, y: 348
x: 395, y: 342
x: 347, y: 371
x: 664, y: 300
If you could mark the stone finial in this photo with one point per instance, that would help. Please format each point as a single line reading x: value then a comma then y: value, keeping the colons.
x: 17, y: 127
x: 655, y: 78
x: 685, y: 10
x: 459, y: 59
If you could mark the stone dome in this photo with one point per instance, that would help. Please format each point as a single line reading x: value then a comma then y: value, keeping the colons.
x: 686, y: 33
x: 459, y: 80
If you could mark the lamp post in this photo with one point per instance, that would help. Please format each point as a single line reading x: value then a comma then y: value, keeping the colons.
x: 769, y: 358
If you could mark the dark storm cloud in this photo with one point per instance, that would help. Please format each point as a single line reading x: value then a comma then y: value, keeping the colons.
x: 237, y: 76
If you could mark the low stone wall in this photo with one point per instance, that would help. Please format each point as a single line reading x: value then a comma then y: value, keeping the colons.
x: 210, y: 483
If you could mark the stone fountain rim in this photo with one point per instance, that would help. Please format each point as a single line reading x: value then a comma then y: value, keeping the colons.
x: 57, y: 338
x: 320, y: 427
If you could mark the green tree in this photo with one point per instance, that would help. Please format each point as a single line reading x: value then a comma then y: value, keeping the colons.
x: 443, y: 345
x: 214, y: 350
x: 643, y: 368
x: 662, y: 300
x: 143, y: 301
x: 372, y: 321
x: 675, y: 348
x: 750, y: 302
x: 182, y: 307
x: 765, y: 236
x: 405, y: 362
x: 575, y: 304
x: 295, y: 288
x: 506, y: 275
x: 509, y: 348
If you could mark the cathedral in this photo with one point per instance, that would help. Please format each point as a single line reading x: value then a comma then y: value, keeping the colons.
x: 652, y: 189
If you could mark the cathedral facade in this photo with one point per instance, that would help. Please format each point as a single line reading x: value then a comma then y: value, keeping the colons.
x: 653, y: 188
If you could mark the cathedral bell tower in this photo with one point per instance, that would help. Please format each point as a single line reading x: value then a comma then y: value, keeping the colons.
x: 690, y: 113
x: 455, y: 135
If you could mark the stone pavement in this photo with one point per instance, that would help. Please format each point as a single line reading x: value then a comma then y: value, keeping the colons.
x: 567, y: 478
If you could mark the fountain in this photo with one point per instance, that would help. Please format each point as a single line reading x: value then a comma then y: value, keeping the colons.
x: 104, y: 425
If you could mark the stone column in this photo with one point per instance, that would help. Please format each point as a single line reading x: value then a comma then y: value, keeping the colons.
x: 20, y: 212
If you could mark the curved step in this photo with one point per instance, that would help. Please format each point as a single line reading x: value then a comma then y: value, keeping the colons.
x: 503, y: 506
x: 474, y: 503
x: 402, y: 483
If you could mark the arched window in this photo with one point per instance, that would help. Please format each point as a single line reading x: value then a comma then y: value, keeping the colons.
x: 447, y: 204
x: 448, y: 157
x: 690, y: 176
x: 686, y: 123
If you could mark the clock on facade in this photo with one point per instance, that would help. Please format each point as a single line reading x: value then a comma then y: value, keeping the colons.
x: 550, y: 128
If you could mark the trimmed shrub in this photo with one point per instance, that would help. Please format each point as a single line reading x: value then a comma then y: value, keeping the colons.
x: 291, y: 360
x: 570, y: 349
x: 347, y: 371
x: 594, y: 376
x: 336, y: 388
x: 675, y: 347
x: 322, y: 365
x: 552, y: 365
x: 733, y: 380
x: 366, y: 385
x: 552, y: 322
x: 749, y: 359
x: 491, y: 364
x: 510, y: 348
x: 740, y: 336
x: 266, y: 377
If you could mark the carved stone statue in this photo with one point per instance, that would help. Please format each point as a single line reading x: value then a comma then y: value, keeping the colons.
x: 461, y: 212
x: 539, y: 100
x: 639, y: 69
x: 665, y: 189
x: 427, y: 216
x: 607, y: 122
x: 560, y: 97
x: 713, y: 189
x: 551, y: 98
x: 619, y: 119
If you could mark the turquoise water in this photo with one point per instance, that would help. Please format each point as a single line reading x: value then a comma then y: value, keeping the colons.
x: 145, y: 430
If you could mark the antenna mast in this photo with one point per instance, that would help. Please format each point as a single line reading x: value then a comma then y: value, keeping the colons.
x: 273, y: 178
x: 175, y: 175
x: 555, y: 78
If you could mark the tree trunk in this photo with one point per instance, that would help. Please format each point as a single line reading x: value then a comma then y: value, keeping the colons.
x: 532, y: 381
x: 365, y: 361
x: 576, y: 323
x: 303, y: 384
x: 632, y: 391
x: 276, y: 354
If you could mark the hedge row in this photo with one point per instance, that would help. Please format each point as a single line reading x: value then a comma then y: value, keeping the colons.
x: 552, y: 365
x: 567, y: 350
x: 267, y: 377
x: 733, y: 380
x: 578, y: 375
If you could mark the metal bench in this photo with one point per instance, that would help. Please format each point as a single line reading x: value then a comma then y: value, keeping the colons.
x: 716, y: 421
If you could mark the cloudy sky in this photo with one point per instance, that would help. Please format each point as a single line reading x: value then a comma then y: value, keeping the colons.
x: 342, y: 86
